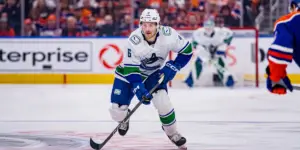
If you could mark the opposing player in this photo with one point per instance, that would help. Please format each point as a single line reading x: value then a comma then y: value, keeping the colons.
x: 146, y: 51
x: 210, y: 66
x: 284, y: 49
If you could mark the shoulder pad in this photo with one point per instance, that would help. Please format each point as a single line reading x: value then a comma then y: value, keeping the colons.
x: 287, y: 18
x: 166, y: 30
x: 135, y: 39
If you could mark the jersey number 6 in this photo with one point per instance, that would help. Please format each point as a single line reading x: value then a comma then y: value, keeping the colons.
x: 129, y: 53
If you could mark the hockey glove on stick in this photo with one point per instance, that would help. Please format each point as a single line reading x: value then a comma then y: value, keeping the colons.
x: 212, y: 50
x: 278, y: 85
x: 142, y: 93
x: 169, y: 70
x: 98, y: 146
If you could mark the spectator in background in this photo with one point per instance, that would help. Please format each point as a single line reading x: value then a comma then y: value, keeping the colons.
x: 251, y: 10
x: 229, y: 20
x: 212, y: 10
x: 40, y: 11
x: 110, y: 7
x: 1, y: 7
x: 85, y: 16
x: 91, y: 29
x: 219, y: 21
x: 29, y: 28
x: 13, y: 10
x: 42, y: 8
x: 5, y: 29
x: 88, y: 8
x: 64, y: 5
x: 113, y: 17
x: 50, y: 4
x: 201, y: 16
x: 118, y: 17
x: 188, y: 6
x: 89, y: 3
x: 100, y: 16
x: 179, y: 3
x: 51, y: 28
x: 155, y: 3
x: 192, y: 22
x: 71, y: 29
x: 169, y: 20
x: 76, y: 12
x: 235, y: 7
x: 124, y: 27
x: 181, y: 23
x: 65, y: 11
x: 102, y: 13
x: 108, y: 29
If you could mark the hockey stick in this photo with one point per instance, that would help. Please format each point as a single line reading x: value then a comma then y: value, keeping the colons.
x: 97, y: 146
x: 296, y: 87
x: 214, y: 62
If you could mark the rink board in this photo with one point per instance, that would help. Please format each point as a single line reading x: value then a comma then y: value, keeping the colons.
x: 56, y: 78
x: 87, y: 78
x: 92, y: 60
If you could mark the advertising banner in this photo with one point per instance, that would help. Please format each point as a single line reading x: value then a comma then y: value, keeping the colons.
x: 45, y: 55
x: 93, y: 60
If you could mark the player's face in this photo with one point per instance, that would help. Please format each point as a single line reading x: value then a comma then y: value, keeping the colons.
x: 149, y: 29
x: 292, y: 8
x: 209, y: 30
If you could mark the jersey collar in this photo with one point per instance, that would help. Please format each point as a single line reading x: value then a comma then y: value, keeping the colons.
x: 211, y: 35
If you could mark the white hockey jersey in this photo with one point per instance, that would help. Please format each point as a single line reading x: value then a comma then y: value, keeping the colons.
x: 220, y: 37
x: 204, y: 66
x: 145, y: 58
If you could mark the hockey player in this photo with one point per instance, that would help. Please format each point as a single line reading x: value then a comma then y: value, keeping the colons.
x: 285, y: 47
x: 146, y: 51
x: 210, y: 44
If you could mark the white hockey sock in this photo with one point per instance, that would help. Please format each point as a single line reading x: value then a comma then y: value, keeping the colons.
x: 118, y: 113
x: 166, y: 111
x: 171, y: 128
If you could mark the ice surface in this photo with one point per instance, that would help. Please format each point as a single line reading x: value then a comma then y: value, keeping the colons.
x: 60, y: 117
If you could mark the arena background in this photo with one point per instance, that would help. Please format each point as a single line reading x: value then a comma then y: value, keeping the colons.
x: 36, y: 34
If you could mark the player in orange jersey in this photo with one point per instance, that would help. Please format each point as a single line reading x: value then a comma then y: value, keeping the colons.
x: 284, y: 49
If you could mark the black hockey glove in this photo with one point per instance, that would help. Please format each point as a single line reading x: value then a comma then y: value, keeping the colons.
x: 212, y: 50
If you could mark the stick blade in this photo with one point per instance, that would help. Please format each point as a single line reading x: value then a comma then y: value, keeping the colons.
x: 94, y: 145
x: 296, y: 87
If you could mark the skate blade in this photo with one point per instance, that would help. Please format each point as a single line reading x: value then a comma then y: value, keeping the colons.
x: 182, y: 147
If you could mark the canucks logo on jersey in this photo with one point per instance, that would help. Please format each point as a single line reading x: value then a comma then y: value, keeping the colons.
x: 146, y: 63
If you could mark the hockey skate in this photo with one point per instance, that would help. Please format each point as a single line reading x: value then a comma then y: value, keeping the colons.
x: 178, y: 140
x: 124, y: 127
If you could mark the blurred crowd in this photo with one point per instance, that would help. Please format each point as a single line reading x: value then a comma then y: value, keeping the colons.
x: 82, y: 18
x: 191, y: 14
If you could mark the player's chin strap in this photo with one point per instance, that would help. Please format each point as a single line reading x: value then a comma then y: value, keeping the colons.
x: 97, y: 146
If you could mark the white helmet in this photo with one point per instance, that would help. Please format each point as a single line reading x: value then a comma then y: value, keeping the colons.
x: 150, y: 15
x: 209, y: 26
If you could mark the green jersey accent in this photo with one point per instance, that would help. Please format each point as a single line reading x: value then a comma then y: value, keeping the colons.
x: 188, y: 50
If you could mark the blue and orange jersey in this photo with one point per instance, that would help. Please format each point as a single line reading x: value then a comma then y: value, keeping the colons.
x: 286, y: 45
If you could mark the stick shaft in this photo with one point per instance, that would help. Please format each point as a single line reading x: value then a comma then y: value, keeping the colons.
x: 99, y: 146
x: 296, y: 88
